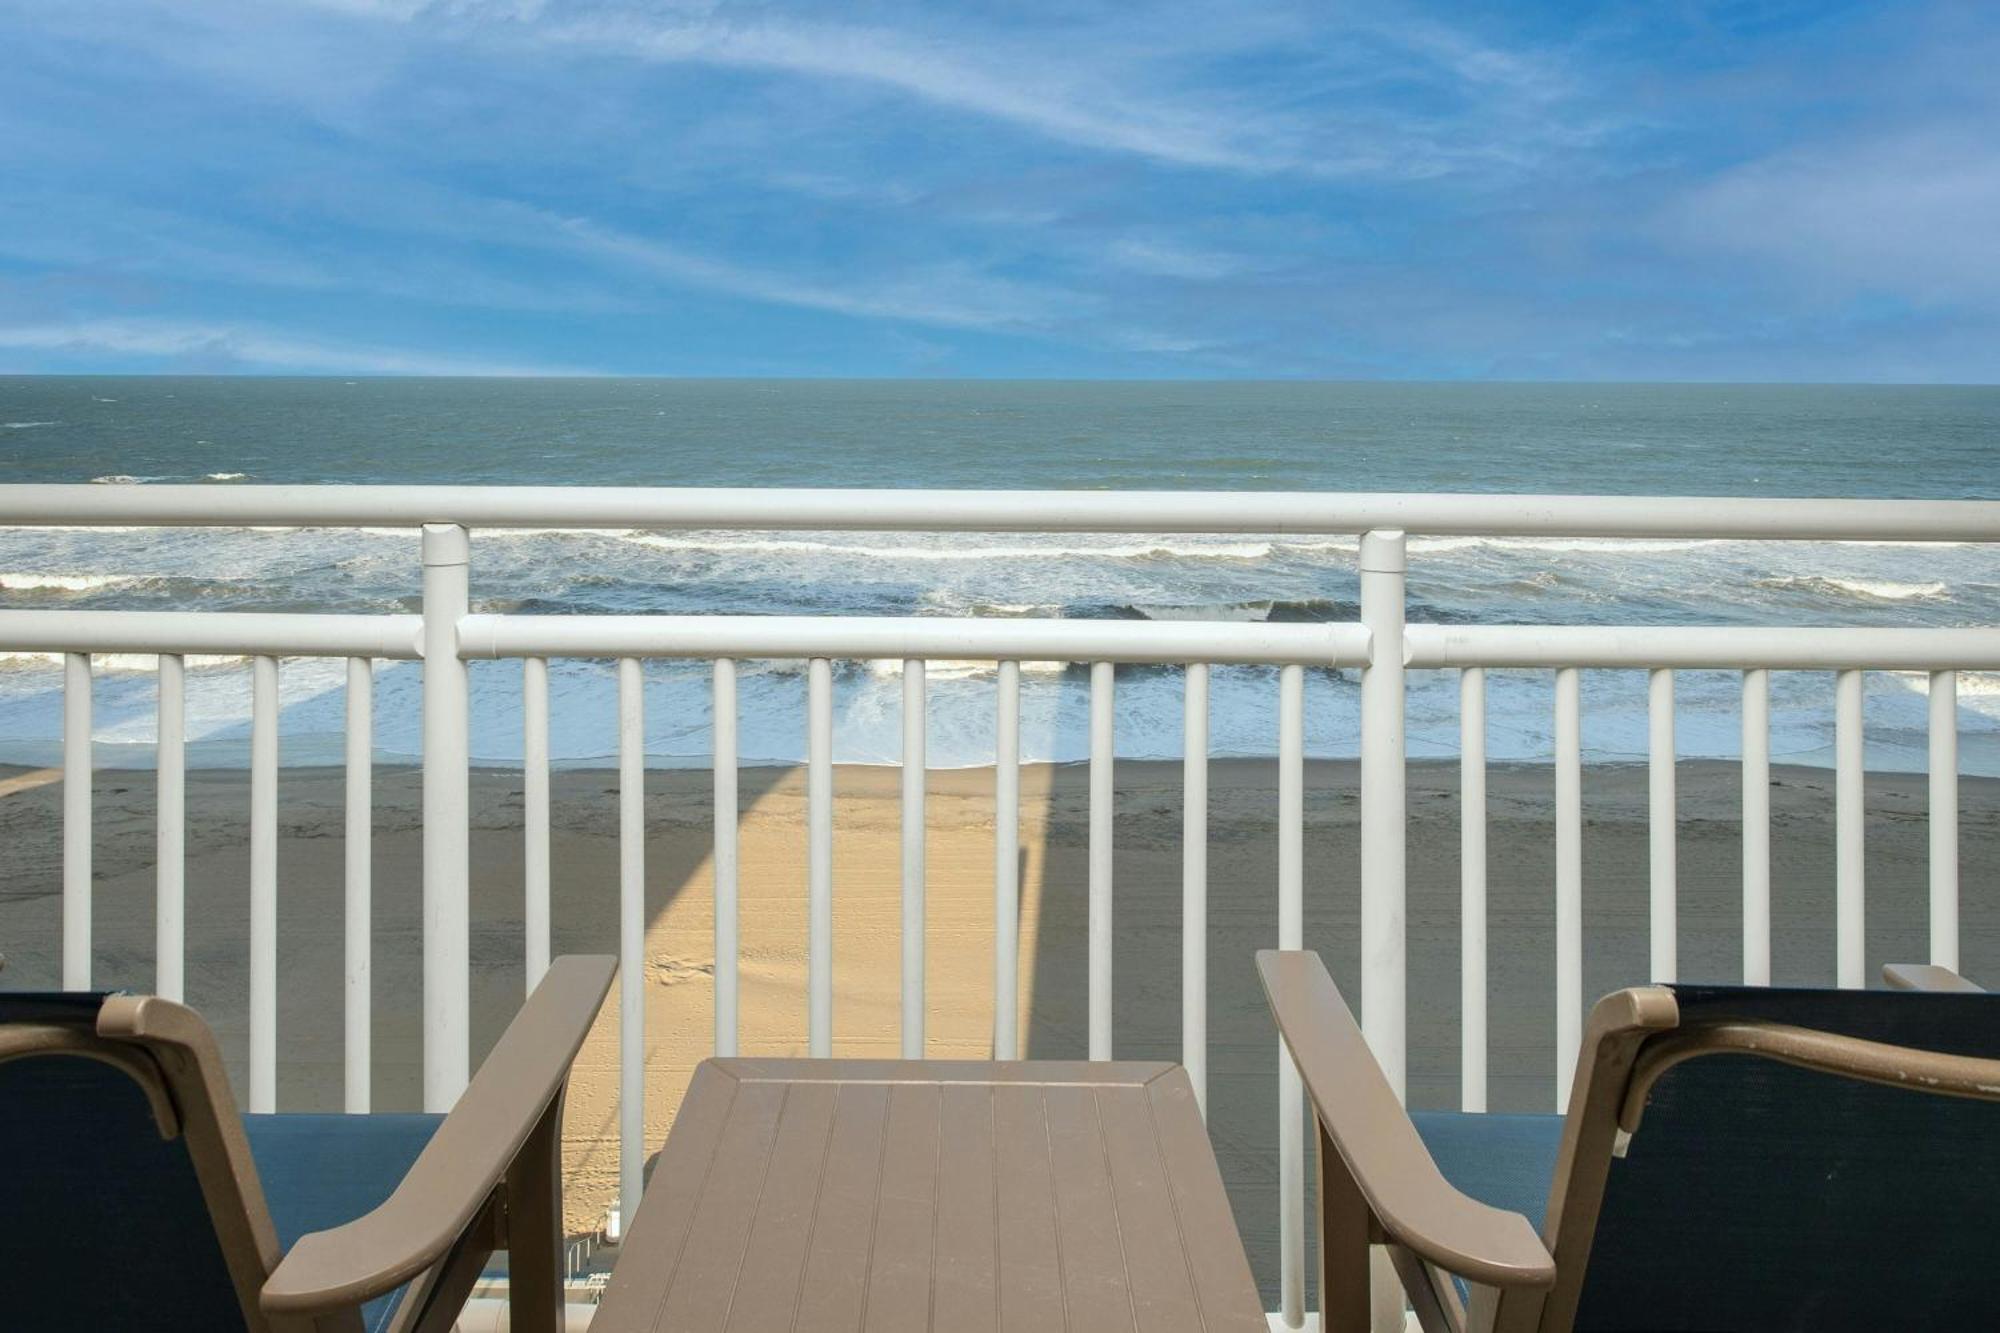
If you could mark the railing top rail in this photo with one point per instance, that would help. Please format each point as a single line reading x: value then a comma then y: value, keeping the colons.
x: 46, y: 505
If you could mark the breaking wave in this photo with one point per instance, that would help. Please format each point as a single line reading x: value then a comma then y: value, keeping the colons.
x: 1871, y: 590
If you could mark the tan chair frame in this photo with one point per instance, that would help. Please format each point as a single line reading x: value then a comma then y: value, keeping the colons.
x: 490, y: 1178
x: 1379, y: 1186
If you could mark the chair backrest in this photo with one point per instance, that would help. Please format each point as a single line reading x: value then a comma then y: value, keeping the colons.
x: 106, y: 1217
x: 1760, y: 1194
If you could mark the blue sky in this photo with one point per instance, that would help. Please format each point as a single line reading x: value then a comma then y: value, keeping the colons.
x: 1766, y: 191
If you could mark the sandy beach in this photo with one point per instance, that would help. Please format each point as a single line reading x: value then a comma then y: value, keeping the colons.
x: 679, y: 945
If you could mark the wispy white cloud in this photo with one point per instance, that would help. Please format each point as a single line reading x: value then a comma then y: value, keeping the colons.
x: 1011, y: 90
x: 948, y: 295
x: 1914, y: 214
x: 639, y: 263
x: 1167, y: 258
x: 1134, y: 82
x: 97, y: 232
x: 227, y: 346
x: 1542, y: 77
x: 846, y: 190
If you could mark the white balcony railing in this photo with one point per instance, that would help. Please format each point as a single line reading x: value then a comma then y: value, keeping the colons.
x: 446, y: 636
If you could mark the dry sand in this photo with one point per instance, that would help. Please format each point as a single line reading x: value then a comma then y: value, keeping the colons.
x: 1242, y: 916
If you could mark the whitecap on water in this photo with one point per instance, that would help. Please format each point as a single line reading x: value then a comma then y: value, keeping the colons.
x: 60, y: 582
x: 1874, y: 590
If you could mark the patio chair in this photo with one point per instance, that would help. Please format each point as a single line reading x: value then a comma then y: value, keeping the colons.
x: 135, y: 1197
x: 1733, y: 1159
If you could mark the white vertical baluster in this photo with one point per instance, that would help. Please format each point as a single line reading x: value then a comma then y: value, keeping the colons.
x: 1472, y: 887
x: 1662, y: 823
x: 1569, y: 880
x: 535, y: 817
x: 914, y: 777
x: 1944, y: 818
x: 76, y: 822
x: 727, y: 949
x: 264, y: 884
x: 356, y: 1021
x: 631, y: 938
x: 1850, y: 828
x: 1194, y: 883
x: 1291, y: 806
x: 1291, y: 935
x: 1103, y: 798
x: 1007, y: 863
x: 1757, y: 827
x: 1384, y: 849
x: 819, y: 857
x: 447, y: 820
x: 170, y: 836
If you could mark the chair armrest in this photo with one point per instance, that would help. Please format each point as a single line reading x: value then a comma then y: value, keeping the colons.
x: 1927, y: 976
x: 1411, y: 1200
x: 455, y: 1176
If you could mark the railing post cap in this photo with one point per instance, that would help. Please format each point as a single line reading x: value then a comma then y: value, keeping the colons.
x: 446, y: 544
x: 1383, y: 552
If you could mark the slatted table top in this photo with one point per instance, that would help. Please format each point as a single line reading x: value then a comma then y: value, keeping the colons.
x: 905, y: 1195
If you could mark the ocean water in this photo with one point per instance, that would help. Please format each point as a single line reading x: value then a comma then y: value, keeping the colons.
x: 1630, y: 439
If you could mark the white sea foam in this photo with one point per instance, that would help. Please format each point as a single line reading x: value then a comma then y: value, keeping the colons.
x: 90, y: 527
x: 1232, y: 612
x: 124, y: 479
x: 225, y: 476
x: 1874, y: 590
x: 61, y: 582
x: 24, y: 425
x: 951, y: 602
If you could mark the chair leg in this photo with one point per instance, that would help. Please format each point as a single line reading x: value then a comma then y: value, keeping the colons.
x: 1388, y: 1302
x: 534, y: 1229
x: 1343, y: 1245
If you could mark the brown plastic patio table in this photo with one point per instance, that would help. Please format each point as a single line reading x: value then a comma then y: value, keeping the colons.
x: 927, y: 1194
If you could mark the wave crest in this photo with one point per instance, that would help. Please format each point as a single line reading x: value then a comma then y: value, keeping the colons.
x: 61, y: 582
x: 1870, y: 590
